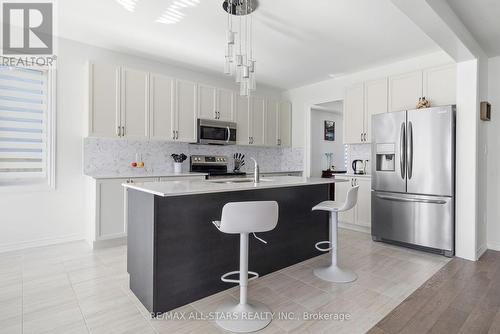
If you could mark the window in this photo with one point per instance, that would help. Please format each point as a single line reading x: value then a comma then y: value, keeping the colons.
x: 26, y: 127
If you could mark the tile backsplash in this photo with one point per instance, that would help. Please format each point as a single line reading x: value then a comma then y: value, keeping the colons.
x: 357, y: 151
x: 112, y: 157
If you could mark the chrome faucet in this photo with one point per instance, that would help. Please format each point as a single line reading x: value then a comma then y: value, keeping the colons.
x: 256, y: 171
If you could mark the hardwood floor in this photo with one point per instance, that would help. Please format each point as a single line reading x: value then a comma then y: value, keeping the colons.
x: 462, y: 297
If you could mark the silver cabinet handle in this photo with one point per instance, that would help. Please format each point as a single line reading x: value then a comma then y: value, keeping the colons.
x: 119, y: 131
x: 402, y: 150
x: 173, y: 134
x: 123, y: 131
x: 410, y: 150
x: 412, y: 200
x: 176, y: 134
x: 361, y: 137
x: 364, y: 136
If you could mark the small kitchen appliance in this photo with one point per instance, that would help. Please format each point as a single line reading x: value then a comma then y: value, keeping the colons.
x: 358, y: 167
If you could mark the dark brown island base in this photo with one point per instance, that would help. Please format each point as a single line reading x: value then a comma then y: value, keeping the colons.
x: 176, y: 255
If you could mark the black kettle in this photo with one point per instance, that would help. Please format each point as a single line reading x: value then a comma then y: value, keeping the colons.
x: 358, y: 166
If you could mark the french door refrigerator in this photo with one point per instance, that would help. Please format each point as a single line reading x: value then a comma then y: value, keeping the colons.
x: 413, y: 181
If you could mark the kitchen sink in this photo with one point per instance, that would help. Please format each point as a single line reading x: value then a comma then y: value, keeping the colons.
x: 233, y: 181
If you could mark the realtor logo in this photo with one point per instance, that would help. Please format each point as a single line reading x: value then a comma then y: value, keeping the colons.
x: 27, y: 28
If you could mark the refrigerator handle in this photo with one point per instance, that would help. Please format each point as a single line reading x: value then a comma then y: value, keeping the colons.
x: 413, y: 200
x: 402, y: 150
x: 410, y: 150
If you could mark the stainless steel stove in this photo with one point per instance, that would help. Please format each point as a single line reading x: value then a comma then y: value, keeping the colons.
x: 215, y: 165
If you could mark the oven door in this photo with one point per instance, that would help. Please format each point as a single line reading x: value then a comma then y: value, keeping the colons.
x: 216, y: 132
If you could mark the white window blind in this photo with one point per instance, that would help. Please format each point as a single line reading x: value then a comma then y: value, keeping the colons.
x: 23, y: 124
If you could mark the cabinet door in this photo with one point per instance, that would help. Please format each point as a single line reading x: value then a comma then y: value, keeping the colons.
x: 134, y: 103
x: 271, y: 123
x: 258, y: 108
x: 206, y: 102
x: 440, y: 85
x: 285, y: 124
x: 354, y: 114
x: 185, y: 115
x: 104, y: 102
x: 111, y: 209
x: 376, y: 97
x: 404, y: 91
x: 243, y: 120
x: 363, y: 208
x: 161, y: 107
x: 341, y: 190
x: 225, y: 105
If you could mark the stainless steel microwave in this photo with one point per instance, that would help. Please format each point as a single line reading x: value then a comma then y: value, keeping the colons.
x: 216, y: 132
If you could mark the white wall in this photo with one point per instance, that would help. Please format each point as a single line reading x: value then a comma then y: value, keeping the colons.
x: 320, y: 146
x: 493, y: 232
x: 31, y: 219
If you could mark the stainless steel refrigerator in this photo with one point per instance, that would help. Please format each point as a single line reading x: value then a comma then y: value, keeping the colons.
x: 413, y: 178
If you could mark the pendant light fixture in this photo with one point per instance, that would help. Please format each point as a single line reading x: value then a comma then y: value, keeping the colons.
x: 239, y: 57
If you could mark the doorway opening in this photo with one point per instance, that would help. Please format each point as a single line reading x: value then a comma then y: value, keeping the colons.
x: 326, y: 141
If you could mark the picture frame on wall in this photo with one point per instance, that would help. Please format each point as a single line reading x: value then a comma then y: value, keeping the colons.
x: 329, y: 130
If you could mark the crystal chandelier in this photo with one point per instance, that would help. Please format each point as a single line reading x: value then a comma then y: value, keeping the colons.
x: 239, y: 60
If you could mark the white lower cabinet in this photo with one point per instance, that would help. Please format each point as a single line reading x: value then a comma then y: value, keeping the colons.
x: 110, y: 209
x: 110, y: 205
x: 361, y: 214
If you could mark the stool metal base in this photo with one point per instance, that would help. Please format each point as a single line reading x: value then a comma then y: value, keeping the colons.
x: 243, y: 318
x: 335, y: 274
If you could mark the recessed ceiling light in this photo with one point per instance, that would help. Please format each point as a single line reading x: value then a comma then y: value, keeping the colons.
x: 336, y: 75
x: 128, y: 4
x: 173, y: 14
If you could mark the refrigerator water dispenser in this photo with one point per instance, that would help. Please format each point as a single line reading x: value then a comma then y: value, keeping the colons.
x: 386, y: 157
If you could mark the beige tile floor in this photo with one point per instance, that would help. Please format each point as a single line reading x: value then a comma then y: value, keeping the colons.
x: 70, y: 289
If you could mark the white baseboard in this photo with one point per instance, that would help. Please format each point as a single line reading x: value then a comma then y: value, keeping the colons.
x: 481, y: 250
x: 358, y: 228
x: 106, y: 243
x: 40, y: 243
x: 494, y: 246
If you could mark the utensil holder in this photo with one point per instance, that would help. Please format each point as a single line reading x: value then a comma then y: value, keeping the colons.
x: 177, y: 167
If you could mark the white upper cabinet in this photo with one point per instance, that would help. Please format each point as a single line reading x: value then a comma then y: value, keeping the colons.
x: 257, y: 105
x: 125, y: 102
x: 243, y: 120
x: 215, y: 103
x: 225, y: 105
x: 404, y: 91
x: 161, y: 124
x: 185, y: 119
x: 134, y: 103
x: 271, y: 122
x: 104, y: 104
x: 439, y: 85
x: 285, y: 124
x: 207, y: 102
x: 376, y: 101
x: 354, y: 114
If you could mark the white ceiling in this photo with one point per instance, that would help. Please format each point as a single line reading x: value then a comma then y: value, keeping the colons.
x: 296, y: 42
x: 482, y: 19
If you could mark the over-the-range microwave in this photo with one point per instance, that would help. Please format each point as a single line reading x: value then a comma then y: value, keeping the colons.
x: 216, y: 132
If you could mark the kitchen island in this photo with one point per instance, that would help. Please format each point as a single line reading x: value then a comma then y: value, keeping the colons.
x: 175, y: 254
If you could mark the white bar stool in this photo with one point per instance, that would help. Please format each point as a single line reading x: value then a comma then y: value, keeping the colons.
x: 243, y: 218
x: 334, y: 273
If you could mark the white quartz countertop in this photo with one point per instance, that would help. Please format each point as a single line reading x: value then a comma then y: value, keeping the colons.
x: 192, y: 187
x: 144, y: 175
